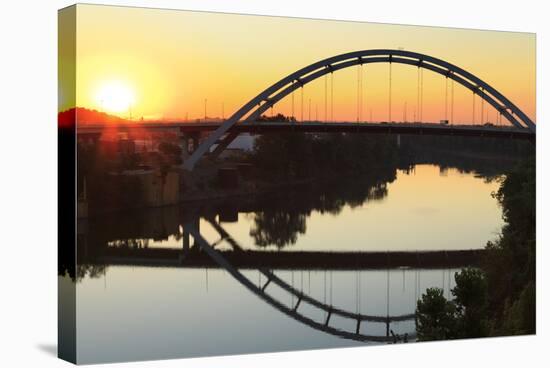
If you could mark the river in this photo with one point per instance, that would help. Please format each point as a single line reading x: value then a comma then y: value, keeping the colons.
x: 145, y: 302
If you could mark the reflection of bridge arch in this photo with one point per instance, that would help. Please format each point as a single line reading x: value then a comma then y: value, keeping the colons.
x: 294, y: 312
x: 263, y: 101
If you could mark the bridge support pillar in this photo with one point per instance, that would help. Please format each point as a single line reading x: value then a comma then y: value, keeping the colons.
x: 186, y: 237
x: 188, y: 144
x: 398, y: 140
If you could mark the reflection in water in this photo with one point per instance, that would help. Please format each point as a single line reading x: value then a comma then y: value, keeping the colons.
x: 148, y: 288
x: 292, y: 310
x: 277, y: 228
x: 281, y: 220
x: 415, y: 210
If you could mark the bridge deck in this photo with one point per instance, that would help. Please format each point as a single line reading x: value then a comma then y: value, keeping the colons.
x: 293, y: 259
x: 320, y: 127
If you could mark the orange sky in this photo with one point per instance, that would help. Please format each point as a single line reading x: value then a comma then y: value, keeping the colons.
x: 165, y: 63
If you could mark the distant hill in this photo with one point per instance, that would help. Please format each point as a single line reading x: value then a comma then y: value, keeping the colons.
x: 86, y: 116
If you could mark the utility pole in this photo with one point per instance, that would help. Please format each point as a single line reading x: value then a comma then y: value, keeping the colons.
x: 205, y: 100
x: 316, y: 113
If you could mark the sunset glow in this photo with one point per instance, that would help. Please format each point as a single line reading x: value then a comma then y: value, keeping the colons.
x: 115, y: 97
x: 176, y: 60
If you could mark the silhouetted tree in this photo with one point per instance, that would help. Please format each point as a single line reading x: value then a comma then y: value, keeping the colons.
x: 519, y: 316
x: 470, y: 298
x: 435, y: 317
x: 499, y: 298
x: 279, y: 228
x: 510, y: 260
x: 279, y: 118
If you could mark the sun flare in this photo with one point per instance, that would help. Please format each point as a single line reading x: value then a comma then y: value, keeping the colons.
x: 115, y: 97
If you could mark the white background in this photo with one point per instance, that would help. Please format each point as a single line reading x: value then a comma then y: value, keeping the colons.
x: 28, y: 180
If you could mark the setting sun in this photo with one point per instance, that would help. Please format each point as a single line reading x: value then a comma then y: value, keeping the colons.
x: 115, y: 96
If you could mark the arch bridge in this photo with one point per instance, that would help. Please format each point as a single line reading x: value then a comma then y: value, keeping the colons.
x: 254, y: 108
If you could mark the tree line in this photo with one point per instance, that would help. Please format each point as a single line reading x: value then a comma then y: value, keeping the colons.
x: 499, y: 298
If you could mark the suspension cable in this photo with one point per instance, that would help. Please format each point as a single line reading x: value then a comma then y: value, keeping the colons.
x: 292, y: 284
x: 292, y: 113
x: 330, y: 287
x: 416, y: 287
x: 326, y: 99
x: 387, y: 292
x: 361, y: 92
x: 358, y: 93
x: 359, y: 291
x: 473, y: 107
x: 389, y: 96
x: 364, y: 102
x: 422, y: 94
x: 448, y: 284
x: 482, y: 106
x: 446, y: 97
x: 452, y: 101
x: 302, y: 104
x: 325, y: 288
x: 332, y: 97
x: 417, y: 93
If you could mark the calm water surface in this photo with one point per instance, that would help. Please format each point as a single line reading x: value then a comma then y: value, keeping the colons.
x: 137, y: 311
